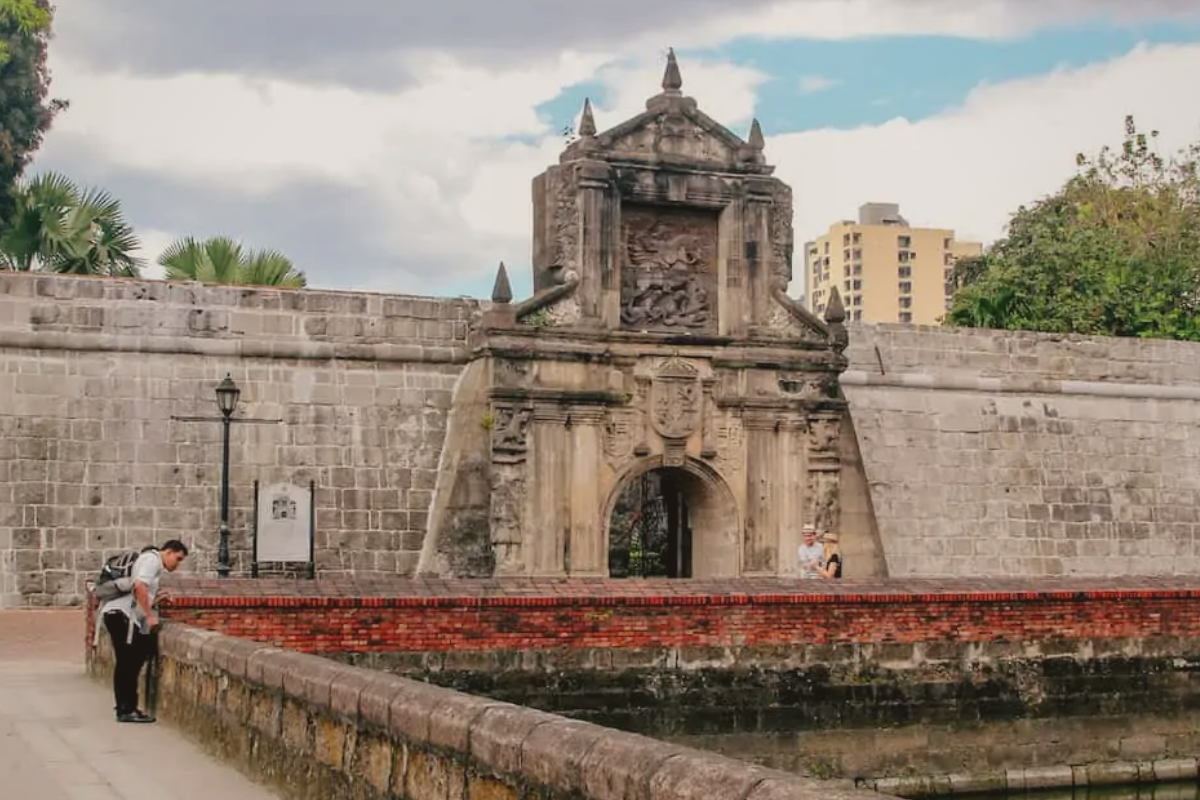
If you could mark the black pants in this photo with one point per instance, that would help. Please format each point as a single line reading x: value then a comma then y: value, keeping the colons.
x: 131, y: 655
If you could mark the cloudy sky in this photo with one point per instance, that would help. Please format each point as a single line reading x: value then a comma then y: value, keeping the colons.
x: 390, y: 146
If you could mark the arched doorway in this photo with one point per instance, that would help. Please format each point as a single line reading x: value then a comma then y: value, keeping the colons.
x: 672, y: 522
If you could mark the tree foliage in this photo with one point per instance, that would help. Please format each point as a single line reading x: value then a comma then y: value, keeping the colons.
x: 1115, y: 252
x: 26, y: 110
x: 57, y: 226
x: 220, y: 259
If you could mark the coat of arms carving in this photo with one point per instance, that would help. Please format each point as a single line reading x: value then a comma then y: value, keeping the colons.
x: 675, y: 399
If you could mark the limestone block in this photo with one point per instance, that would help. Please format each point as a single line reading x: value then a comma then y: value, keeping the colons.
x: 553, y: 754
x: 497, y: 734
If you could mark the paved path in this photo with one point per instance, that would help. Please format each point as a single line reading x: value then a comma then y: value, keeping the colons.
x: 58, y: 739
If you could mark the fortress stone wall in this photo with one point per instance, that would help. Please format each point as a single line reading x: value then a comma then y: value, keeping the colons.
x: 994, y: 453
x: 985, y: 453
x: 92, y: 371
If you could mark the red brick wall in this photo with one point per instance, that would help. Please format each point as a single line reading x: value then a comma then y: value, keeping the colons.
x: 342, y: 616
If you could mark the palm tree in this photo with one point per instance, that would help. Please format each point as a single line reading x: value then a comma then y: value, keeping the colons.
x: 58, y: 227
x: 220, y: 259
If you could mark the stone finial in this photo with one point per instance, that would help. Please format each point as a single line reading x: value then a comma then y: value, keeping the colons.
x: 502, y: 289
x: 672, y: 81
x: 835, y: 312
x: 587, y: 123
x: 756, y: 141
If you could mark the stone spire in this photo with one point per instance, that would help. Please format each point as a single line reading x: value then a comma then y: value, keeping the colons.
x: 587, y: 123
x: 756, y: 137
x: 835, y: 312
x: 502, y: 289
x: 672, y: 81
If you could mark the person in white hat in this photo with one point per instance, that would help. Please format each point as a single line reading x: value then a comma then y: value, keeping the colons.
x: 810, y: 553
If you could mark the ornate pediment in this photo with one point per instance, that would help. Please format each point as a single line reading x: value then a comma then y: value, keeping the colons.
x: 672, y: 130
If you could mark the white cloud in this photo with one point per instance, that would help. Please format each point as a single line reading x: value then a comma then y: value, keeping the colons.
x: 447, y: 163
x: 811, y: 84
x: 1008, y: 144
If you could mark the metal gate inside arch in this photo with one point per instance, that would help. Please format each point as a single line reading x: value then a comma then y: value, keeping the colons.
x: 650, y: 534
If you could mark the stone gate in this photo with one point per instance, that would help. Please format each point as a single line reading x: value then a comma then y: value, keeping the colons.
x: 660, y: 337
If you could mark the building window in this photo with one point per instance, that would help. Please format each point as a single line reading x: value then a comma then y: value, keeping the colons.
x: 949, y: 289
x: 905, y: 287
x: 857, y: 237
x: 845, y: 255
x: 904, y: 242
x: 846, y: 286
x: 857, y: 315
x: 904, y: 272
x: 903, y: 256
x: 946, y: 243
x: 906, y: 316
x: 846, y: 240
x: 858, y: 269
x: 858, y: 254
x: 906, y: 302
x: 827, y: 248
x: 857, y: 285
x: 857, y: 300
x: 846, y: 271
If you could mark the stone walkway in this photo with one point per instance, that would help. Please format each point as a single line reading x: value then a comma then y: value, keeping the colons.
x: 58, y: 739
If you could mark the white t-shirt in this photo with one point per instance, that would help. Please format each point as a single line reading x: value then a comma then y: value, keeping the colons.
x: 810, y: 552
x: 147, y: 570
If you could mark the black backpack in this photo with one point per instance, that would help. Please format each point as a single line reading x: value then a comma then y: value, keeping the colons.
x: 116, y: 576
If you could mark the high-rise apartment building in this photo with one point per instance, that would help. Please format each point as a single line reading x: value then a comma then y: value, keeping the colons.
x: 885, y: 269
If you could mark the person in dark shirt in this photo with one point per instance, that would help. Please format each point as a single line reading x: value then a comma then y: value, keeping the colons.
x: 831, y: 560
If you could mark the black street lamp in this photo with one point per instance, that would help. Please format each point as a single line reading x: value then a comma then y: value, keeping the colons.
x: 227, y: 399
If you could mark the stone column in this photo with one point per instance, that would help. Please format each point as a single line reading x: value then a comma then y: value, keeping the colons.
x: 587, y: 548
x: 595, y: 256
x: 731, y: 272
x: 762, y: 473
x: 548, y: 492
x: 757, y: 251
x: 793, y: 434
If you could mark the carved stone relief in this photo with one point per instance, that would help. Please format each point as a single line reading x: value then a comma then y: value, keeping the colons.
x: 620, y: 435
x: 566, y: 221
x: 729, y: 442
x: 510, y: 424
x: 675, y: 399
x: 823, y: 435
x: 668, y: 273
x: 823, y: 500
x: 508, y: 494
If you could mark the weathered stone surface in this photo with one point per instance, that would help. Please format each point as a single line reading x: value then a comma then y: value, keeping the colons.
x: 92, y: 461
x: 1003, y: 453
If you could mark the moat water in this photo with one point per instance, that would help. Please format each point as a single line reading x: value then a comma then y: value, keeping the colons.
x: 1181, y: 790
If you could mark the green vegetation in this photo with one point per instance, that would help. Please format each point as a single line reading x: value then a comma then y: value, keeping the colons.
x: 56, y: 226
x: 26, y: 110
x: 220, y: 259
x: 1116, y: 252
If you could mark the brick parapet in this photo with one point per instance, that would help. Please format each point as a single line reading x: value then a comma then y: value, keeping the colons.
x: 441, y: 616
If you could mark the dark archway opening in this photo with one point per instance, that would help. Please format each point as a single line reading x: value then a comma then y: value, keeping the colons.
x: 650, y: 529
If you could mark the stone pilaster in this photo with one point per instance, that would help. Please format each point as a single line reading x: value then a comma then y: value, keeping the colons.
x: 586, y: 549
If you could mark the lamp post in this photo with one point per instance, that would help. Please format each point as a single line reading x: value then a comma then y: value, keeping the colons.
x: 227, y: 399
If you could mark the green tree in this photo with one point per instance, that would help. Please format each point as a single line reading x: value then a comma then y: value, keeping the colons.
x: 56, y: 226
x: 1115, y: 252
x: 220, y: 259
x: 26, y: 112
x: 26, y: 17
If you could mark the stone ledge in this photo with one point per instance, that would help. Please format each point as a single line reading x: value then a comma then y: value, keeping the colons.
x: 362, y: 734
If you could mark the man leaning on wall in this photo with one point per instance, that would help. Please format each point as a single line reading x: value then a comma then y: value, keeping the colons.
x: 131, y: 622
